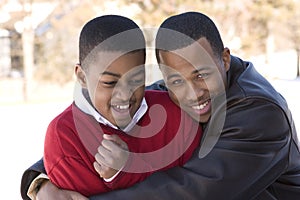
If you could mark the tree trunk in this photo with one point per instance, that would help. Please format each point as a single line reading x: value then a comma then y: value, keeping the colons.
x: 298, y: 62
x: 27, y: 42
x: 28, y: 48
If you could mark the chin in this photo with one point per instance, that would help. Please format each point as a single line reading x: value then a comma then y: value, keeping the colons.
x: 200, y: 119
x: 196, y: 117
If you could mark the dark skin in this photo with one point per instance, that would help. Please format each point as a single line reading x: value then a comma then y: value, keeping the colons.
x: 193, y: 74
x: 116, y: 92
x: 50, y: 191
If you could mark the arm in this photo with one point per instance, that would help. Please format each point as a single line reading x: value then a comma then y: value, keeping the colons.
x: 29, y: 175
x: 50, y: 191
x: 245, y: 161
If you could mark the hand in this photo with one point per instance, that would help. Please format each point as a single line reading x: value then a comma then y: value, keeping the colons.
x: 111, y: 157
x: 104, y: 171
x: 49, y: 191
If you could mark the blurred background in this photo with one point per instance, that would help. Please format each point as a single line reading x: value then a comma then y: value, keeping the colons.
x: 39, y: 48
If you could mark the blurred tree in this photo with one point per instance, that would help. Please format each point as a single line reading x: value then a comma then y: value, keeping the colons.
x: 28, y: 47
x: 57, y: 46
x: 248, y: 27
x: 293, y: 26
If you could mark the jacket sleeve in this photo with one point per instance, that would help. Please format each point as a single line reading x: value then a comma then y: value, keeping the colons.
x: 29, y: 175
x: 250, y: 155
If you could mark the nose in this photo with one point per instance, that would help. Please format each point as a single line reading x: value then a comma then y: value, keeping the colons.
x: 193, y: 92
x: 123, y: 92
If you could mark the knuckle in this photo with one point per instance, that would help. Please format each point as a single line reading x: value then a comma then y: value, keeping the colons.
x: 97, y: 157
x: 99, y: 148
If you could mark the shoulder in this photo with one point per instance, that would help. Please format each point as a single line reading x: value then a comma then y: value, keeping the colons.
x: 62, y: 137
x: 256, y: 118
x: 246, y: 84
x: 65, y: 117
x: 67, y: 124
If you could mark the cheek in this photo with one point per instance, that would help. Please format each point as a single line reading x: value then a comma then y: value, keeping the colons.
x: 217, y: 88
x: 175, y: 97
x: 102, y: 101
x: 140, y: 92
x: 215, y: 85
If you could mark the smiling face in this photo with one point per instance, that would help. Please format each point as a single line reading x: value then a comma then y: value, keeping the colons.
x: 115, y: 85
x: 194, y: 76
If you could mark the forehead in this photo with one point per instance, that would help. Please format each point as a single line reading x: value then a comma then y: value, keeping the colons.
x: 193, y: 57
x: 116, y: 61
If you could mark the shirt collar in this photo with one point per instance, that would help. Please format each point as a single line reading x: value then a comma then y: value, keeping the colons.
x: 81, y: 100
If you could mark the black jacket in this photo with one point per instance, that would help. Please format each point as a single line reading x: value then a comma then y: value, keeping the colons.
x: 254, y: 155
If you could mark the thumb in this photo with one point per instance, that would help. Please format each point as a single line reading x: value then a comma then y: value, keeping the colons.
x: 116, y: 139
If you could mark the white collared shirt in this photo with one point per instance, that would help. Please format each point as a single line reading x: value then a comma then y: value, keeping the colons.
x: 83, y: 104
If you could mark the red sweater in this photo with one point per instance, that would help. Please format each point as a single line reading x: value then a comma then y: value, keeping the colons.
x: 165, y: 135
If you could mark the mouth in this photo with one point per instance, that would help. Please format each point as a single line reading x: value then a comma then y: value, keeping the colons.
x: 121, y: 108
x: 202, y: 108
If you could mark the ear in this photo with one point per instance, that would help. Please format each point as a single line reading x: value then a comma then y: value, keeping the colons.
x: 226, y: 58
x: 81, y: 76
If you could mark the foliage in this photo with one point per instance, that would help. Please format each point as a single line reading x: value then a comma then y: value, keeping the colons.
x: 247, y: 27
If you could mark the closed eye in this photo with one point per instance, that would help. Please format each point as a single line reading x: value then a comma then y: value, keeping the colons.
x: 109, y: 83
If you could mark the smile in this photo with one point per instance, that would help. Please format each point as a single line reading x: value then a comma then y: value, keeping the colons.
x: 122, y: 107
x: 201, y: 106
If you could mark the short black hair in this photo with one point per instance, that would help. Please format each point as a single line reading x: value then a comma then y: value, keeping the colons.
x: 181, y: 30
x: 109, y: 33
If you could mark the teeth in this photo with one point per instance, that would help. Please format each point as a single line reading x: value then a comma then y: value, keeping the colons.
x: 201, y: 106
x: 123, y: 107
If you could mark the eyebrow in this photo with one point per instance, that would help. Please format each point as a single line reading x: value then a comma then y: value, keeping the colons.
x: 201, y: 69
x: 111, y: 74
x: 119, y: 76
x: 138, y: 72
x: 175, y: 75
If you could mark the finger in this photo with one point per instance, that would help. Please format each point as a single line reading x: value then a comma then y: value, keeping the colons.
x: 110, y: 145
x: 116, y: 139
x: 105, y: 151
x: 100, y: 159
x: 103, y: 171
x: 97, y: 167
x: 116, y: 157
x: 113, y: 146
x: 104, y: 157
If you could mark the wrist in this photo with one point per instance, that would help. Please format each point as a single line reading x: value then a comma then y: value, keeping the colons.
x: 40, y: 184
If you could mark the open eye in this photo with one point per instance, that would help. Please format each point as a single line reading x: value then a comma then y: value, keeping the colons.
x: 202, y: 75
x: 177, y: 82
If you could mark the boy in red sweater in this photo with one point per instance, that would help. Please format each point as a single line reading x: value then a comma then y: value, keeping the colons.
x: 114, y: 134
